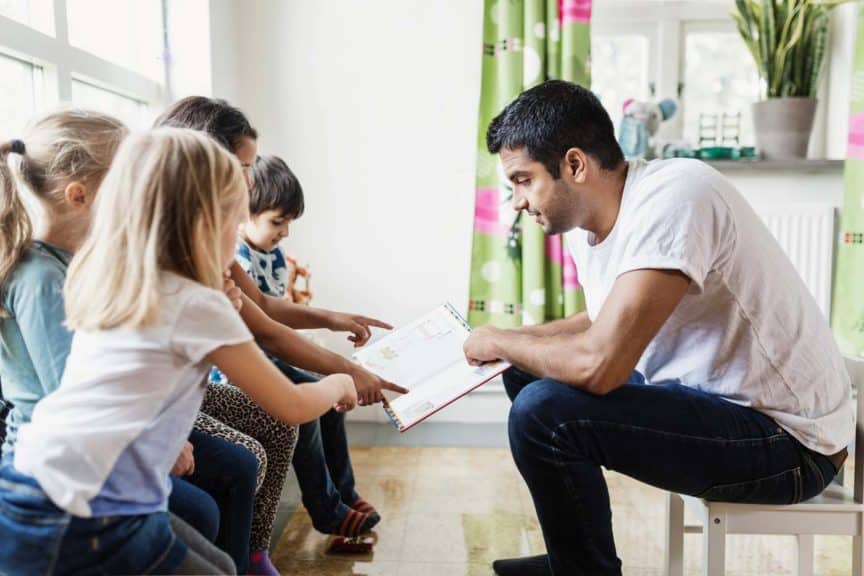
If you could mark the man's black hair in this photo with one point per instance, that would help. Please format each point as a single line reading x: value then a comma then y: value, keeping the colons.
x: 549, y: 119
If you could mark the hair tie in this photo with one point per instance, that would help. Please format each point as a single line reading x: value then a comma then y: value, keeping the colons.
x: 17, y: 146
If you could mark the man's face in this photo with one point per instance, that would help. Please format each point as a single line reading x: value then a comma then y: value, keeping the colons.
x: 536, y: 192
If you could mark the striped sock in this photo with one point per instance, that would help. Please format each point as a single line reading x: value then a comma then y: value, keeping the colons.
x: 362, y: 505
x: 356, y: 523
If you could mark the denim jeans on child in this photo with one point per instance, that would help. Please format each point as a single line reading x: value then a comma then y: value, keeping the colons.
x: 665, y: 434
x: 36, y: 537
x: 227, y: 472
x: 322, y: 463
x: 195, y: 506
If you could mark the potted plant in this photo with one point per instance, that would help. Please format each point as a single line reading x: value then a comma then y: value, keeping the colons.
x: 787, y: 39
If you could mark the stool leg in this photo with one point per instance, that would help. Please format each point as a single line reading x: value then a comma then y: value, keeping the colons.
x: 804, y: 566
x: 674, y: 535
x: 858, y: 548
x: 714, y: 544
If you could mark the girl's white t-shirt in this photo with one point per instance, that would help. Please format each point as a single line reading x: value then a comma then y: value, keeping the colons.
x: 105, y: 441
x: 748, y: 329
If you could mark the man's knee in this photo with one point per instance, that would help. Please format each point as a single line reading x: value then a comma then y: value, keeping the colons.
x: 536, y: 412
x: 515, y: 380
x: 543, y: 405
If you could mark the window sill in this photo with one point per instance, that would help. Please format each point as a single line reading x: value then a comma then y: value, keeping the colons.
x: 806, y: 165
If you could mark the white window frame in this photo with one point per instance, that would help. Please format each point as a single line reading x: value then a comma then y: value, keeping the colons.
x: 726, y: 25
x: 62, y: 62
x: 669, y: 22
x: 647, y: 31
x: 666, y: 24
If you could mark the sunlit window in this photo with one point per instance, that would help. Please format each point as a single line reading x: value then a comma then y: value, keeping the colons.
x: 20, y: 85
x: 38, y: 14
x: 619, y: 70
x: 132, y: 112
x: 126, y: 32
x: 720, y: 85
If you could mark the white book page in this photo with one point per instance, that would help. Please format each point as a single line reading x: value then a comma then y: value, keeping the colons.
x: 411, y: 355
x: 426, y: 357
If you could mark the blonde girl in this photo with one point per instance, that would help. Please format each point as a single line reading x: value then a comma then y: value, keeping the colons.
x: 53, y: 172
x: 89, y: 484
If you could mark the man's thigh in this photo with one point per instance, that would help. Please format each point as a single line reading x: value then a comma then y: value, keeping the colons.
x: 671, y: 436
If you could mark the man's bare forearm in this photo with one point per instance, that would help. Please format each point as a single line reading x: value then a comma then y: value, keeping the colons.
x: 571, y: 325
x: 567, y: 358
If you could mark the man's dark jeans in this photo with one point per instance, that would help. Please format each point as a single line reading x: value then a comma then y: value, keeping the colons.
x: 664, y: 434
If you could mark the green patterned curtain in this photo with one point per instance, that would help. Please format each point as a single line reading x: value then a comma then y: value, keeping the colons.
x: 848, y: 304
x: 518, y: 275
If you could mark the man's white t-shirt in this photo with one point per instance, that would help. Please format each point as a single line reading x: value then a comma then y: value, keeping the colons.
x: 748, y: 329
x: 105, y: 441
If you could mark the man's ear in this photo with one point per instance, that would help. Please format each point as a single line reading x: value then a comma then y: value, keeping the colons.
x: 77, y: 195
x: 575, y: 165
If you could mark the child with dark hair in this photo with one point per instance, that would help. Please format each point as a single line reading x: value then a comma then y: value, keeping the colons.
x: 275, y: 201
x: 321, y: 459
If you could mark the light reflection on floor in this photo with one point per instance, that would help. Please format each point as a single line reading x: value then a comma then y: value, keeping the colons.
x: 451, y: 511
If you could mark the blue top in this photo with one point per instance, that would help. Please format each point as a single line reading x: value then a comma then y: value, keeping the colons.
x: 34, y: 342
x: 267, y: 269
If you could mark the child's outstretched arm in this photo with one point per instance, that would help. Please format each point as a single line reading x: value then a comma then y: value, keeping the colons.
x: 248, y: 367
x: 283, y: 342
x: 301, y: 317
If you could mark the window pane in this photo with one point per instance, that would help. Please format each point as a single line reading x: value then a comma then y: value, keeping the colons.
x: 18, y: 84
x: 619, y: 71
x: 38, y: 14
x: 719, y: 78
x: 132, y: 112
x: 125, y: 32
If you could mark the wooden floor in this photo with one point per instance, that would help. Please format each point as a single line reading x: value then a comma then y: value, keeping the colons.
x: 451, y: 511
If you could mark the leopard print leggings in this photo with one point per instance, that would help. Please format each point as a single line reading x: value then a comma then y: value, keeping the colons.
x: 228, y: 413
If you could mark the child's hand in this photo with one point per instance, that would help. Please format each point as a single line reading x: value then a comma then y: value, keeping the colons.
x: 348, y: 399
x: 359, y: 326
x: 369, y: 387
x: 231, y: 290
x: 185, y: 464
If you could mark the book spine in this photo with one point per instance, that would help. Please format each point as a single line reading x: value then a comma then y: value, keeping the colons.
x: 455, y: 314
x: 393, y: 416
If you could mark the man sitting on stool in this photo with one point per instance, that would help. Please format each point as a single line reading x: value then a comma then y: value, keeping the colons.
x: 702, y: 364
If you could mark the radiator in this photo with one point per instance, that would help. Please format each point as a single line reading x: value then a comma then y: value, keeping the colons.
x: 806, y: 233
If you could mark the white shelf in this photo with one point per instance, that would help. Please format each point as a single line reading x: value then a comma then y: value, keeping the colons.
x: 809, y: 165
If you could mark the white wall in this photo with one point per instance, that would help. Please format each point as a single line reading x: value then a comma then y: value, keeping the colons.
x: 374, y: 104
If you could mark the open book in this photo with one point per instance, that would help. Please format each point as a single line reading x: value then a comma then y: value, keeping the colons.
x: 426, y: 358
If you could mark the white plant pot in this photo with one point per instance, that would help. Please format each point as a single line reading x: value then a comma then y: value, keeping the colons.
x: 783, y: 127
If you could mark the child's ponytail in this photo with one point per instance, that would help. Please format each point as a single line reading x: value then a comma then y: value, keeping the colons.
x: 15, y: 226
x: 57, y: 148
